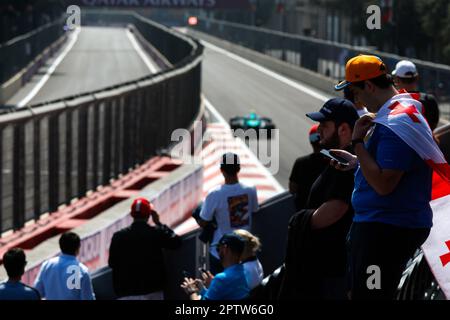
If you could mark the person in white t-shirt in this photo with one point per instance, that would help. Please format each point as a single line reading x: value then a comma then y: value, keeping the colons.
x: 231, y: 204
x: 252, y: 266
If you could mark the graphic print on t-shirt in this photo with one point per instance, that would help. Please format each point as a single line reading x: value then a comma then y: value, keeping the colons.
x: 238, y: 208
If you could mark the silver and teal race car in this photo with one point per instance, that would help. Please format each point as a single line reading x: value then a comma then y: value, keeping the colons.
x: 253, y: 121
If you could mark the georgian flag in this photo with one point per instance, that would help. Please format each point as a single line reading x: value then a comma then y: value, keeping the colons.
x: 401, y: 114
x: 437, y: 247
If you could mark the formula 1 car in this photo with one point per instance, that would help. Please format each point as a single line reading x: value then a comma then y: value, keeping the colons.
x: 253, y: 121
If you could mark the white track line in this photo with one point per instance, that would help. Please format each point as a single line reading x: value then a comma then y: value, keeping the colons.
x: 148, y: 62
x: 50, y: 71
x: 218, y: 116
x: 268, y: 72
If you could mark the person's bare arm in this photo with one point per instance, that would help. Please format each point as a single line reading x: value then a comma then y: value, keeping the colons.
x: 383, y: 181
x: 328, y: 213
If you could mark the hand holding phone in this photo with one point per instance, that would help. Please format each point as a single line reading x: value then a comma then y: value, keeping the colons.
x: 340, y: 160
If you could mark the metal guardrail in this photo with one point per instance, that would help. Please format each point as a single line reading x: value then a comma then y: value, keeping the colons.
x: 321, y: 56
x: 417, y: 282
x: 56, y: 151
x: 17, y: 53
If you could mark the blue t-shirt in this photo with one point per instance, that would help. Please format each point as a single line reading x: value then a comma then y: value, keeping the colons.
x: 230, y: 284
x: 408, y: 206
x: 17, y: 291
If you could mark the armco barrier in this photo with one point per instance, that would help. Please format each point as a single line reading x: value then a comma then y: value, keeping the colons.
x: 56, y: 151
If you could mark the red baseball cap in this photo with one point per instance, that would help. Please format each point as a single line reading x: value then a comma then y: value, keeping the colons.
x: 141, y: 208
x: 313, y: 134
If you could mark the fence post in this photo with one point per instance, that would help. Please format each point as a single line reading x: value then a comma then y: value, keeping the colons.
x: 53, y: 163
x: 82, y: 150
x: 37, y: 168
x: 117, y: 135
x: 107, y: 132
x: 95, y: 141
x: 19, y: 176
x: 127, y: 133
x: 69, y: 154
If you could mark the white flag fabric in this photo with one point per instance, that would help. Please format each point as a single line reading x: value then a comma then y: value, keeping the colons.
x: 401, y: 115
x: 437, y: 247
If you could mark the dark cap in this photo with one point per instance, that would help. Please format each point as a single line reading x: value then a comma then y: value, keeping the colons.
x: 336, y: 109
x: 231, y: 159
x: 235, y: 242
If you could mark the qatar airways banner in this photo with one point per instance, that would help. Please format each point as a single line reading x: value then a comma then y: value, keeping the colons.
x: 168, y: 4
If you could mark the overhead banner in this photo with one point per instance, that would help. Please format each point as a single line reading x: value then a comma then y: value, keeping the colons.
x: 167, y: 4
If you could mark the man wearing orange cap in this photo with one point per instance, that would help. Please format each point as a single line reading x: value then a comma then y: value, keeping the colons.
x: 392, y: 181
x: 306, y: 169
x: 136, y: 255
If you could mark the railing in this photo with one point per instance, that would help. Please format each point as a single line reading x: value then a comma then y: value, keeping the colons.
x: 17, y: 53
x: 324, y: 57
x: 54, y: 152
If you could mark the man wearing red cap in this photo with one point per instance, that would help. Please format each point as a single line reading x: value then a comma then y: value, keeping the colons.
x: 136, y: 255
x: 306, y: 169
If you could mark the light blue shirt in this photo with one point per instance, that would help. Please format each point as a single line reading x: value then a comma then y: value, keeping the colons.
x: 230, y: 284
x: 64, y: 278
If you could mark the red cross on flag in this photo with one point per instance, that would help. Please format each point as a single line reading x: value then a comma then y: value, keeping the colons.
x: 401, y: 115
x: 437, y: 247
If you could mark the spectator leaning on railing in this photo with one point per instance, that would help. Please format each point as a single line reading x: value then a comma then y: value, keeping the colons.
x: 14, y: 261
x: 231, y: 204
x: 392, y: 182
x: 316, y: 253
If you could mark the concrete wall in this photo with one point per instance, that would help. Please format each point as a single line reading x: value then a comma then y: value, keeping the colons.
x: 182, y: 187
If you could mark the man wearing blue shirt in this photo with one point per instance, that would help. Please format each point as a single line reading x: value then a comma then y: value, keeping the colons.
x: 392, y: 188
x: 14, y: 262
x: 230, y: 284
x: 64, y: 277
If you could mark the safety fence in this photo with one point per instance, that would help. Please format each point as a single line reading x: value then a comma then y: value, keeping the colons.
x: 17, y: 53
x: 324, y: 57
x: 56, y: 151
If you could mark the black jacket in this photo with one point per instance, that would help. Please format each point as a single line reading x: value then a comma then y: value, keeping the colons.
x: 297, y: 280
x: 136, y: 258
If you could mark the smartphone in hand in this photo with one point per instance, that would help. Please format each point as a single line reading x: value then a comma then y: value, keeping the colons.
x: 187, y: 274
x: 340, y: 160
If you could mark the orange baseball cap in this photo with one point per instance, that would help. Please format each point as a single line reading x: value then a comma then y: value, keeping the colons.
x: 360, y: 68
